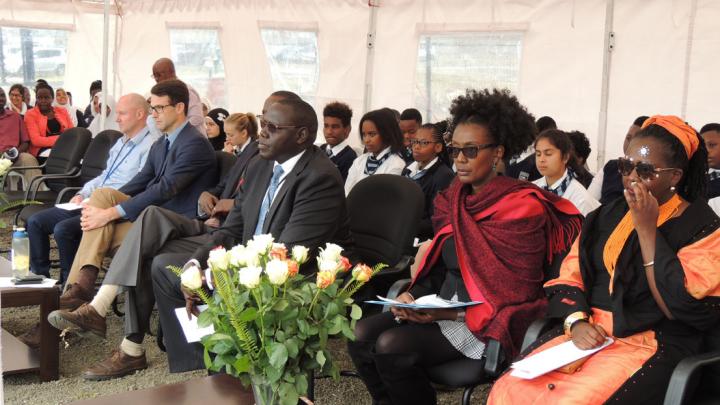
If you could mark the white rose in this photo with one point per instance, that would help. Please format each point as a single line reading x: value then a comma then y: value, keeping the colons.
x: 277, y: 271
x: 262, y: 243
x: 250, y: 276
x: 331, y: 252
x: 218, y: 259
x: 300, y: 254
x: 327, y: 265
x: 237, y: 256
x: 191, y: 278
x: 5, y: 166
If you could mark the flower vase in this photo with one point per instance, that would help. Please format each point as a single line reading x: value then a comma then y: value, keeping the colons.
x: 263, y: 392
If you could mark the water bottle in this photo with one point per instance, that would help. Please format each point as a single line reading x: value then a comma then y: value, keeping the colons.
x: 20, y: 253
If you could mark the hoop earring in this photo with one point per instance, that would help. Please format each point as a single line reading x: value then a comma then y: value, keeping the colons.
x: 672, y: 189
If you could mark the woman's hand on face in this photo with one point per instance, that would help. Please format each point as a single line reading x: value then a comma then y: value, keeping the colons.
x: 643, y: 207
x: 587, y: 336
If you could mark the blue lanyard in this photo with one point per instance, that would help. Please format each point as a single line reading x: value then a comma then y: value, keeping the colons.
x: 113, y: 166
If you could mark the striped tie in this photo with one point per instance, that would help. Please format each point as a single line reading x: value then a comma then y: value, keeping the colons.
x: 267, y: 201
x: 372, y: 164
x: 713, y: 175
x: 560, y: 190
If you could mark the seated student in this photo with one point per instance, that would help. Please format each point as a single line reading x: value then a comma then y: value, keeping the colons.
x: 555, y: 161
x: 524, y: 168
x: 44, y: 122
x: 215, y: 203
x: 711, y: 135
x: 410, y: 122
x: 494, y: 236
x: 110, y: 120
x: 131, y: 266
x: 380, y: 133
x: 336, y: 128
x: 15, y: 102
x: 215, y: 127
x: 179, y: 166
x: 640, y: 273
x: 89, y: 115
x: 607, y: 183
x: 581, y: 148
x: 62, y: 99
x: 429, y: 171
x: 14, y: 141
x: 125, y: 159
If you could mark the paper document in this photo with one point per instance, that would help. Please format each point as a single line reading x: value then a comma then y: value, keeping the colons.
x: 6, y: 282
x: 71, y: 206
x: 45, y: 153
x: 190, y: 328
x: 552, y: 359
x: 431, y: 301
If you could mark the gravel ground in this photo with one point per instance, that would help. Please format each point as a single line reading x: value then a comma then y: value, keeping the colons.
x: 77, y: 354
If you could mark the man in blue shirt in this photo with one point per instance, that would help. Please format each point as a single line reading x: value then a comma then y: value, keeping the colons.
x: 125, y: 160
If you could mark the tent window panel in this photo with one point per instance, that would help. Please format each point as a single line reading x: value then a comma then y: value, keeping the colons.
x: 293, y: 59
x: 198, y: 61
x: 28, y: 54
x: 448, y: 64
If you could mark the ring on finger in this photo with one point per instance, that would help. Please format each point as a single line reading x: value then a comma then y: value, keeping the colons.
x: 398, y: 320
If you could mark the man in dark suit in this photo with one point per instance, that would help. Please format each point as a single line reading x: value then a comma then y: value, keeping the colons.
x: 179, y: 166
x: 292, y: 191
x: 336, y: 128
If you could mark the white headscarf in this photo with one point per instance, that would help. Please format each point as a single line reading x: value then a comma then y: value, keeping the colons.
x: 109, y: 120
x: 72, y: 111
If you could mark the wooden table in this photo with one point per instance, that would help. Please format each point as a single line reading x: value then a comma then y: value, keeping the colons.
x: 219, y: 389
x: 18, y: 357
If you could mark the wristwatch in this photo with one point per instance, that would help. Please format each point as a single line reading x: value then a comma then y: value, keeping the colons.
x: 572, y: 318
x: 460, y: 316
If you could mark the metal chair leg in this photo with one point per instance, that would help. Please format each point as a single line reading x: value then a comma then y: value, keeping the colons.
x: 467, y: 395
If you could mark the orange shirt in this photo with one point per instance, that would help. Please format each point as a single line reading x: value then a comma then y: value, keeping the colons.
x: 36, y: 124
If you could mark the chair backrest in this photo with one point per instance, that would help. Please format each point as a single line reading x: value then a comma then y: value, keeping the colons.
x: 385, y: 211
x: 66, y: 155
x: 225, y: 162
x: 96, y: 155
x: 711, y: 374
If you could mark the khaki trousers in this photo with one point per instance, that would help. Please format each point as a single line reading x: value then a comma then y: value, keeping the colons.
x: 98, y: 243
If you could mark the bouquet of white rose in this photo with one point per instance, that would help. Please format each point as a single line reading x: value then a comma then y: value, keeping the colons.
x: 272, y: 324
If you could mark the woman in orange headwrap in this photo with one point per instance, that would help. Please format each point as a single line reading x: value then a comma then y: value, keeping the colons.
x: 643, y: 272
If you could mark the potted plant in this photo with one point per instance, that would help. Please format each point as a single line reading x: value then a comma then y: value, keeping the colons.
x: 271, y: 324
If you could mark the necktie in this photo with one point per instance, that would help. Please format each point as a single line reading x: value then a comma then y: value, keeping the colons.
x: 329, y: 151
x: 560, y: 190
x: 372, y: 164
x: 167, y: 145
x: 269, y: 195
x: 714, y: 175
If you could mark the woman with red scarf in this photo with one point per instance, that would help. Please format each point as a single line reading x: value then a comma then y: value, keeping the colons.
x: 494, y: 238
x: 643, y: 272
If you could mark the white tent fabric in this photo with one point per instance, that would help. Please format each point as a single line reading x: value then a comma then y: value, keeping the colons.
x: 663, y: 56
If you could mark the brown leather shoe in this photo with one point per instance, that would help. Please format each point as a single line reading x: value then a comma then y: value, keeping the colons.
x: 117, y: 365
x: 32, y: 337
x: 75, y: 296
x: 83, y: 319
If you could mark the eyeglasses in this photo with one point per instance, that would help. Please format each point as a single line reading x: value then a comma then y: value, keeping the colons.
x: 272, y: 128
x: 422, y: 143
x: 470, y: 151
x: 158, y: 109
x: 646, y: 171
x: 15, y: 94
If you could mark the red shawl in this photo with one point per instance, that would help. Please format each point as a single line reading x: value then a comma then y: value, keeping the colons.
x: 503, y: 238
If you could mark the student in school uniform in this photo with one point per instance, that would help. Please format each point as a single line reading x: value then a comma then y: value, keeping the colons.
x: 554, y: 159
x: 429, y: 171
x: 336, y: 129
x: 380, y: 133
x: 410, y: 122
x: 711, y: 135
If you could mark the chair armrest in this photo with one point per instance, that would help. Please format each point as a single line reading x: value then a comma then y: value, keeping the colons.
x: 21, y: 168
x: 64, y: 191
x: 402, y: 265
x: 679, y: 388
x: 494, y: 358
x: 537, y: 328
x: 36, y: 181
x: 398, y: 287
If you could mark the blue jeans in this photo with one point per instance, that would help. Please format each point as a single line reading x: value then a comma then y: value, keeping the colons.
x: 65, y: 225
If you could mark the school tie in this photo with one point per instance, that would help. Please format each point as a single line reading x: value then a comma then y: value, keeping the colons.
x: 560, y: 190
x: 713, y: 175
x: 269, y: 195
x: 372, y: 164
x: 329, y: 151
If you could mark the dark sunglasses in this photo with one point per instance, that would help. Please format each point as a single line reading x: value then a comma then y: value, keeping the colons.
x: 470, y: 151
x: 646, y: 171
x: 272, y: 128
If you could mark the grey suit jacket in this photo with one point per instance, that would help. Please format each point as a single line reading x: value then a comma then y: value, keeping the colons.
x: 309, y: 208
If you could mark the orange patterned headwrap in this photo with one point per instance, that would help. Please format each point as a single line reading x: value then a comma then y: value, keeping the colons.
x: 676, y: 126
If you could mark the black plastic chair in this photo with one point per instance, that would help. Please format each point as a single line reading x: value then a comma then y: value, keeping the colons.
x: 59, y: 170
x: 696, y: 379
x: 385, y: 211
x: 93, y: 164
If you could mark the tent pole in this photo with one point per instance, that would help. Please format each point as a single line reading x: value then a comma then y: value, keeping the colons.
x: 370, y: 59
x: 605, y: 90
x: 105, y: 87
x: 688, y: 57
